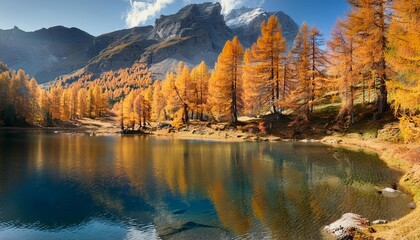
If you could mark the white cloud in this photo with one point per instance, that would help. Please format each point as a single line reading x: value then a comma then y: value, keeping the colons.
x: 229, y: 5
x: 141, y: 11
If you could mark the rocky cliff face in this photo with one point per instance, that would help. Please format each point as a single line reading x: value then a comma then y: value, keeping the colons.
x: 196, y: 32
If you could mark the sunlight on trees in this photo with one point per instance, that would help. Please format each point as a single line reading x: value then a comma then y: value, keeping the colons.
x: 375, y: 49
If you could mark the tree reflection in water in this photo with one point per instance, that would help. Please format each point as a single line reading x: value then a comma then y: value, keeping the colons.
x: 280, y: 190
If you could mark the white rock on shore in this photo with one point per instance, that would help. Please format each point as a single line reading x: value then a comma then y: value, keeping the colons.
x: 390, y: 192
x: 345, y: 227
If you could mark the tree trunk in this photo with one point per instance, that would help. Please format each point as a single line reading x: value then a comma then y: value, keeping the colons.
x: 234, y: 103
x: 185, y: 113
x: 351, y: 110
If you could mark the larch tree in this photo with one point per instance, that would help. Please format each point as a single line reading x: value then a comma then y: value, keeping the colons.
x: 287, y: 75
x: 147, y: 104
x: 90, y: 103
x: 55, y: 98
x: 226, y: 82
x: 128, y: 115
x: 341, y: 70
x: 81, y: 103
x: 302, y: 92
x: 139, y: 109
x: 44, y: 104
x: 404, y: 59
x: 168, y: 90
x: 200, y: 77
x: 4, y: 90
x: 158, y: 102
x: 100, y: 102
x: 367, y: 23
x: 73, y: 91
x: 268, y: 53
x: 317, y: 68
x: 20, y: 95
x: 34, y: 92
x: 183, y: 92
x: 251, y: 90
x: 65, y: 103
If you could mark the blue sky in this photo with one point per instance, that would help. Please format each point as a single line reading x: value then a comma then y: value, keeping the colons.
x: 102, y: 16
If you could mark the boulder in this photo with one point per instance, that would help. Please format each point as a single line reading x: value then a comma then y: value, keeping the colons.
x: 346, y: 226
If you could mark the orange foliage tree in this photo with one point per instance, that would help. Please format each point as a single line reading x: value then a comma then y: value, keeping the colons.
x: 225, y: 83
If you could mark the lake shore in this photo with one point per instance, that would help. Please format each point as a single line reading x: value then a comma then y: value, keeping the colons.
x: 404, y: 157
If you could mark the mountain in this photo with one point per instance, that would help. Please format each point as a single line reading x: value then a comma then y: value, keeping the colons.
x: 46, y: 53
x: 246, y: 24
x: 196, y: 32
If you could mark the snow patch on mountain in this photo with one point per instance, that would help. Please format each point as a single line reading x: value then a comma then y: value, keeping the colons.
x: 243, y: 17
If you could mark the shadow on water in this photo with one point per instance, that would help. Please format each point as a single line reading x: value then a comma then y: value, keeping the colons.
x: 56, y: 186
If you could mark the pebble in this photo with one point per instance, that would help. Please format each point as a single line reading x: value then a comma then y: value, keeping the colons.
x: 412, y: 205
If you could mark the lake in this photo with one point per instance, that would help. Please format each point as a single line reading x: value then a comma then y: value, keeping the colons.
x: 58, y: 186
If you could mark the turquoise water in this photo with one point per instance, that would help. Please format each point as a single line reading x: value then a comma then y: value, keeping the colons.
x: 57, y: 186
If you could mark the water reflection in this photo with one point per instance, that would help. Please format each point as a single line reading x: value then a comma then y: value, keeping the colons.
x: 62, y: 186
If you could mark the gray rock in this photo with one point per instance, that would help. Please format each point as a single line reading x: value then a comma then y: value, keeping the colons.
x: 344, y: 228
x: 412, y: 205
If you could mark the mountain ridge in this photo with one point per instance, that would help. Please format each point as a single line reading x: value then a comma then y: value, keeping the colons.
x: 196, y: 32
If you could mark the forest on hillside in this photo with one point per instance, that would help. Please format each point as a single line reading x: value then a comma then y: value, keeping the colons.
x: 373, y: 57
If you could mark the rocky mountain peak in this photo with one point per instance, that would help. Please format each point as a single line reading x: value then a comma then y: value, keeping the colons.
x: 190, y: 18
x: 245, y: 23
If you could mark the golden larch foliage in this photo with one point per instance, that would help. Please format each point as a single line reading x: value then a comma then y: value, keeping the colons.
x: 267, y: 55
x: 226, y: 82
x: 404, y: 59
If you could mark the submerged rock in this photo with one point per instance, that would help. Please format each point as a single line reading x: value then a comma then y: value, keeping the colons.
x: 346, y: 226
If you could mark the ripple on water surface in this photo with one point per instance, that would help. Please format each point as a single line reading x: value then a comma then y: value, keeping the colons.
x: 78, y: 187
